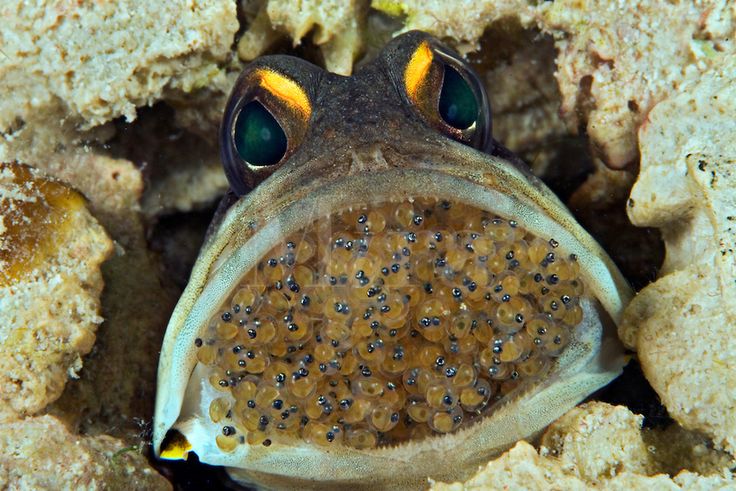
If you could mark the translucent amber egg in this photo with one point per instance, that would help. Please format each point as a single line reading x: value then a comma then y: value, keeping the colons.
x: 385, y: 323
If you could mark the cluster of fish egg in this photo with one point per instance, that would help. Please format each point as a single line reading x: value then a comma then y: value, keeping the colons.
x: 388, y: 323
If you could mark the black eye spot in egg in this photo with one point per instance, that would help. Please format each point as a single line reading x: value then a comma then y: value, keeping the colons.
x: 259, y: 138
x: 457, y: 104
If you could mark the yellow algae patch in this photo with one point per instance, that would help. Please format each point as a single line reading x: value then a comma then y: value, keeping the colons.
x: 51, y: 249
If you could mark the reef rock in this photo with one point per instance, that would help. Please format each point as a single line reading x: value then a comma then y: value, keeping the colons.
x: 682, y: 326
x: 51, y: 249
x: 596, y: 445
x: 41, y: 453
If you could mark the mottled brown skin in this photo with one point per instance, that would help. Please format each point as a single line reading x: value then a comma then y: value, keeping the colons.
x: 365, y: 143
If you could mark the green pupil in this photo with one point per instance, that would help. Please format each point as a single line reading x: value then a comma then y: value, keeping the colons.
x: 259, y: 138
x: 458, y: 106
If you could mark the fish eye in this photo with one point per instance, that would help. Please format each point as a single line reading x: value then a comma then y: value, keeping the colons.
x: 259, y: 138
x: 265, y: 120
x: 448, y: 95
x: 457, y: 104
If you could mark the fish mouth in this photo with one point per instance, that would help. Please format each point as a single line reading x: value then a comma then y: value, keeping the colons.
x: 387, y: 322
x: 441, y: 305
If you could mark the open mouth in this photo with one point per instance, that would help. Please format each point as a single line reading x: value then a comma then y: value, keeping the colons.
x: 387, y: 323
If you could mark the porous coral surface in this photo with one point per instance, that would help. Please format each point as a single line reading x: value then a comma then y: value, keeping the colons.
x: 593, y: 446
x: 96, y: 61
x: 335, y: 26
x: 682, y: 325
x: 51, y: 249
x: 617, y: 59
x: 41, y: 453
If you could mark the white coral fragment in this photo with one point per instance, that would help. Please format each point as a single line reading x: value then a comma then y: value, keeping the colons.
x: 463, y: 22
x: 99, y: 60
x: 336, y: 26
x: 682, y: 326
x: 618, y: 59
x: 598, y: 446
x: 51, y: 249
